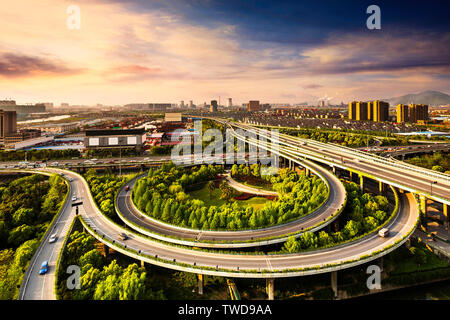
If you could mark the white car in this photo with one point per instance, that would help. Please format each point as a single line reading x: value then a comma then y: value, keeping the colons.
x: 70, y: 179
x: 383, y: 232
x: 52, y: 238
x: 74, y: 198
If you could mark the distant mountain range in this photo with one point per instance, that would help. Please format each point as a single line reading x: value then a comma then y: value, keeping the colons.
x: 434, y: 98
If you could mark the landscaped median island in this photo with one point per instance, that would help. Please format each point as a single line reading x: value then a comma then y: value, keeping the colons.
x: 199, y: 198
x: 104, y: 188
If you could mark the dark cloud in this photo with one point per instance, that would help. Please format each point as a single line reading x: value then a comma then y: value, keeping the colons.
x: 17, y: 65
x: 312, y: 86
x: 424, y: 52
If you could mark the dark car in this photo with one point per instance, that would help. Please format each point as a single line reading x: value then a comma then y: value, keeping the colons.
x: 123, y: 236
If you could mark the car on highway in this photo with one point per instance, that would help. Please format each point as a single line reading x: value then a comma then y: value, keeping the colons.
x: 123, y: 236
x: 70, y: 179
x: 74, y: 198
x: 127, y: 188
x: 44, y: 267
x: 52, y: 238
x: 383, y: 232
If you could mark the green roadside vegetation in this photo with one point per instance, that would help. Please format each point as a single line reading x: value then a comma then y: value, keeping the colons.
x: 338, y: 136
x: 164, y: 195
x: 111, y: 153
x: 104, y: 189
x: 102, y: 278
x: 414, y: 265
x: 363, y: 214
x: 109, y: 275
x: 437, y: 161
x: 160, y: 150
x: 37, y: 155
x: 27, y: 207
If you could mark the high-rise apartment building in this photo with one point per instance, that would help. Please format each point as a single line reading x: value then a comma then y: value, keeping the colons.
x: 370, y: 111
x: 352, y: 110
x: 361, y: 111
x: 380, y: 111
x: 418, y: 112
x: 229, y: 103
x: 402, y: 113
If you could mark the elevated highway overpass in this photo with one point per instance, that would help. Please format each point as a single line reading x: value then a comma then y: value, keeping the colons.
x: 320, y: 218
x: 332, y: 259
x: 426, y: 183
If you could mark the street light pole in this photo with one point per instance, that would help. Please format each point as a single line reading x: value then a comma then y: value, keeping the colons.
x: 431, y: 186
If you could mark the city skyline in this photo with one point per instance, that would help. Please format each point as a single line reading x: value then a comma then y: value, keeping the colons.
x: 167, y: 51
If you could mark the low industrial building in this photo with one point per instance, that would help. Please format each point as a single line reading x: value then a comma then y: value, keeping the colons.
x: 57, y: 127
x: 115, y: 138
x: 29, y: 143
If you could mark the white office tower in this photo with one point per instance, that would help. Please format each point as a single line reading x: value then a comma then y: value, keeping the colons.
x: 229, y: 103
x: 181, y: 104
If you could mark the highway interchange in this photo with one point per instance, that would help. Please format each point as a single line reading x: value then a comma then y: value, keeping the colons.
x: 398, y: 174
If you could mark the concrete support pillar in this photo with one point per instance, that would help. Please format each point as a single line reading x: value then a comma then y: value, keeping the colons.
x: 200, y: 284
x: 270, y: 287
x: 423, y: 204
x: 361, y: 182
x: 380, y: 264
x: 381, y: 187
x: 329, y: 228
x: 337, y: 173
x: 336, y: 225
x: 350, y: 175
x: 142, y: 263
x: 334, y: 285
x: 106, y: 250
x: 334, y: 170
x: 307, y: 172
x: 445, y: 212
x: 290, y: 164
x: 408, y: 243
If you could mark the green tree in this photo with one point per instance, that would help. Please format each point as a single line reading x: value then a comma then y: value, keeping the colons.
x: 20, y: 234
x: 291, y: 245
x: 211, y: 186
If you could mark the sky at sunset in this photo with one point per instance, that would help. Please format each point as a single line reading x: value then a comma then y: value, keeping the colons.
x: 131, y: 51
